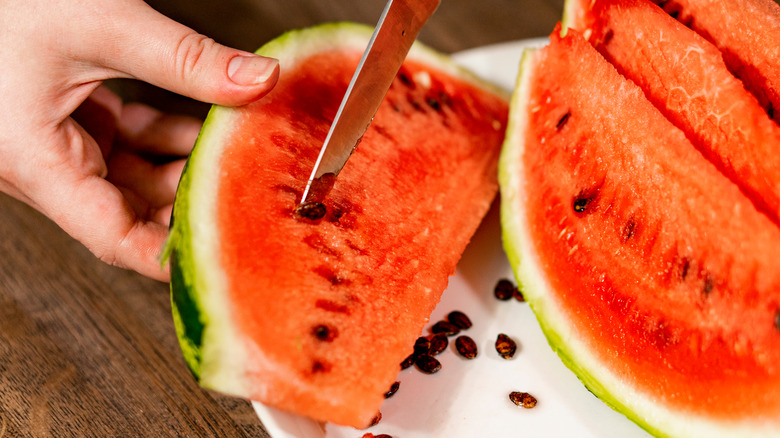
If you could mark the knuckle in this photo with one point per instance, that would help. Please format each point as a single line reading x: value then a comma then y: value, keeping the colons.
x: 189, y: 52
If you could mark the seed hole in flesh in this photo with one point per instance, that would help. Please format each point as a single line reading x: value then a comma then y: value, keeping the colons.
x: 628, y: 230
x: 777, y: 320
x: 562, y: 121
x: 325, y: 333
x: 709, y: 284
x: 393, y: 389
x: 466, y: 347
x: 580, y: 204
x: 685, y: 266
x: 608, y: 37
x: 311, y: 210
x: 320, y: 367
x: 523, y: 399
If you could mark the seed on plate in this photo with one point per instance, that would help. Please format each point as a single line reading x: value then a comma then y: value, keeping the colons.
x: 427, y: 364
x: 459, y: 319
x: 409, y: 361
x: 377, y: 418
x: 518, y: 294
x: 466, y: 347
x: 421, y: 346
x: 505, y: 346
x: 438, y: 344
x: 504, y: 289
x: 393, y: 388
x: 523, y: 399
x: 446, y: 328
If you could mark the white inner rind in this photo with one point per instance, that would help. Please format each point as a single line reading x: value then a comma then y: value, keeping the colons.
x: 649, y: 413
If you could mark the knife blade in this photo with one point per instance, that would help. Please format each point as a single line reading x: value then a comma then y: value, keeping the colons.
x: 398, y: 26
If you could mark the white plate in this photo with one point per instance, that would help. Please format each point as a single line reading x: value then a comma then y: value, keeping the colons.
x: 470, y: 398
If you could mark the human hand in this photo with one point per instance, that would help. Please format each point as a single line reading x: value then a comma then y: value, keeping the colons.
x: 70, y: 149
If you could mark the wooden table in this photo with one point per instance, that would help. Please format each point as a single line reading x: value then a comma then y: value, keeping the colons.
x: 90, y: 350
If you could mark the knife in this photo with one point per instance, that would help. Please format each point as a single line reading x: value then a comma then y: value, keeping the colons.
x: 393, y: 36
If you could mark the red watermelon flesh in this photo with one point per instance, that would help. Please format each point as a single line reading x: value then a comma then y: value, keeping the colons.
x: 313, y: 314
x: 685, y: 77
x: 748, y: 34
x: 651, y: 273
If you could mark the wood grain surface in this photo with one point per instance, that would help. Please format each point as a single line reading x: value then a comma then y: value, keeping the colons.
x: 90, y: 350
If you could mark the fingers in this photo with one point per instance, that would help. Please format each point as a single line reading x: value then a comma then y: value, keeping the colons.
x: 142, y: 128
x: 93, y: 210
x: 144, y: 44
x: 154, y: 183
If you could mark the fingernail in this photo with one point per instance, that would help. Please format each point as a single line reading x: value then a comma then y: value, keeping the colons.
x: 251, y: 69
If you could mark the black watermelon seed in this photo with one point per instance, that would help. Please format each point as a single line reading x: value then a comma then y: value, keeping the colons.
x: 393, y: 388
x: 580, y: 204
x: 447, y: 328
x: 466, y: 347
x: 608, y: 37
x: 422, y: 346
x: 438, y: 344
x: 427, y: 364
x: 377, y: 418
x: 770, y: 111
x: 325, y: 333
x: 409, y: 361
x: 505, y: 346
x: 562, y: 121
x: 523, y: 399
x: 504, y: 289
x: 311, y: 210
x: 433, y: 103
x: 459, y: 319
x: 518, y: 295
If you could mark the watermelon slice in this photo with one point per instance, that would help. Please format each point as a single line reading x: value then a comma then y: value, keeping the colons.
x: 748, y: 34
x: 312, y: 310
x: 652, y: 275
x: 685, y: 77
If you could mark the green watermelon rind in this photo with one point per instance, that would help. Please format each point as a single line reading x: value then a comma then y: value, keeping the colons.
x: 211, y: 344
x: 648, y: 414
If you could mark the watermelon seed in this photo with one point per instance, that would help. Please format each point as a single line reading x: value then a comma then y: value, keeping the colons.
x: 770, y: 111
x: 433, y: 103
x: 405, y: 79
x: 523, y: 399
x: 427, y: 363
x: 422, y: 346
x: 325, y: 333
x: 409, y: 361
x: 505, y: 346
x: 518, y: 294
x: 393, y: 388
x: 466, y: 347
x: 504, y: 289
x: 563, y: 121
x: 438, y: 344
x: 460, y: 319
x: 684, y: 267
x: 777, y: 320
x: 377, y: 418
x: 580, y: 204
x: 607, y: 37
x: 446, y: 328
x: 311, y: 210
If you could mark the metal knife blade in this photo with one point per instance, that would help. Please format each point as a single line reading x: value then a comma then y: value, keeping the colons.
x: 398, y: 26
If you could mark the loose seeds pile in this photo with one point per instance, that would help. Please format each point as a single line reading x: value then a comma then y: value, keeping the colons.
x: 426, y: 347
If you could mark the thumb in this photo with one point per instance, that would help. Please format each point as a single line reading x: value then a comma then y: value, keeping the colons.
x: 146, y: 45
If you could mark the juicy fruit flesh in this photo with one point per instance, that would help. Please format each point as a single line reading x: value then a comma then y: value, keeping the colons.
x: 360, y: 280
x: 685, y: 77
x: 748, y: 35
x: 641, y: 226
